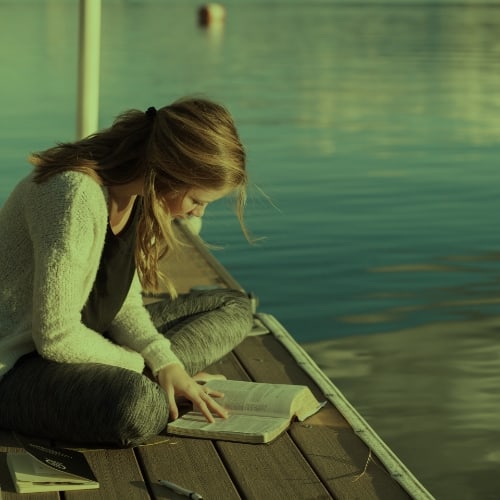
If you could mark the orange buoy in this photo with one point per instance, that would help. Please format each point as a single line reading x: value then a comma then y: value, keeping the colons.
x: 211, y: 13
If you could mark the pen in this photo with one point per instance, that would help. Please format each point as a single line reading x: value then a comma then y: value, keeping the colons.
x: 180, y: 490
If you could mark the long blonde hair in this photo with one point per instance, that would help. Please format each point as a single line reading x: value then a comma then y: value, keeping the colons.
x: 192, y: 143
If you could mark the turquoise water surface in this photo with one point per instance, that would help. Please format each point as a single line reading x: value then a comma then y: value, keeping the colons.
x: 374, y: 129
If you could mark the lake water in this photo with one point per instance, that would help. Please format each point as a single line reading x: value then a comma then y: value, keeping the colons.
x: 374, y: 132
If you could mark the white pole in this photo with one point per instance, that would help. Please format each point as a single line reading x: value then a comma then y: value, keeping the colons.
x: 88, y: 68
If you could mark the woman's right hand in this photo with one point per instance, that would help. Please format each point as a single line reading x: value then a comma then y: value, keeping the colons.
x: 177, y: 382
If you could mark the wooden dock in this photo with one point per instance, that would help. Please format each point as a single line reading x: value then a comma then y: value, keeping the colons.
x: 333, y: 454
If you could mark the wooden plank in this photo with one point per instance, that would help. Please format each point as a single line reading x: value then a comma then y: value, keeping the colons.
x: 327, y: 441
x: 229, y: 366
x: 118, y: 473
x: 191, y: 463
x: 9, y: 444
x: 266, y: 360
x: 276, y: 470
x: 345, y: 464
x: 206, y: 258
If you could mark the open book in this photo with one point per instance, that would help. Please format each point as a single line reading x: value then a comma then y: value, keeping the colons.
x: 43, y: 468
x: 258, y: 412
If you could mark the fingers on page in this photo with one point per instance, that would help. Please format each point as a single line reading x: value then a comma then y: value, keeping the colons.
x: 174, y: 412
x: 202, y: 405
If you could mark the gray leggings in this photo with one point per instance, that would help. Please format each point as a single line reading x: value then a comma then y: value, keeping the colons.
x: 91, y: 403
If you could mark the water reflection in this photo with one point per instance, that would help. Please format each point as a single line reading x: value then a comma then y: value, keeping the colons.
x: 431, y: 390
x: 475, y: 296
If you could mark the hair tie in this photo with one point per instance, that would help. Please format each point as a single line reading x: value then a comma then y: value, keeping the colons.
x: 151, y: 112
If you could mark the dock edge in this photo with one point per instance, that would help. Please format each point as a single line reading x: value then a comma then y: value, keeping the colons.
x: 398, y: 471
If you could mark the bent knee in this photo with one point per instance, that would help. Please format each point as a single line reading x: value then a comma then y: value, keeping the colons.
x: 140, y: 413
x: 244, y: 306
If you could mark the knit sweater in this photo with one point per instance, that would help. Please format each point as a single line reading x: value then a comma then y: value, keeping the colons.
x: 52, y: 236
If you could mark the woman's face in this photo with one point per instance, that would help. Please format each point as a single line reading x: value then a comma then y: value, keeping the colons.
x: 194, y: 202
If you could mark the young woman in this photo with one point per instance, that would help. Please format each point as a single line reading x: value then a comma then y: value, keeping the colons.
x: 81, y: 238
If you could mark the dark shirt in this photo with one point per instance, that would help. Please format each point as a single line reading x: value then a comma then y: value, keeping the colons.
x: 114, y: 276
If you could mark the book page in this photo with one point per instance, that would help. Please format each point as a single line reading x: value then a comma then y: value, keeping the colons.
x: 235, y: 423
x: 254, y: 398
